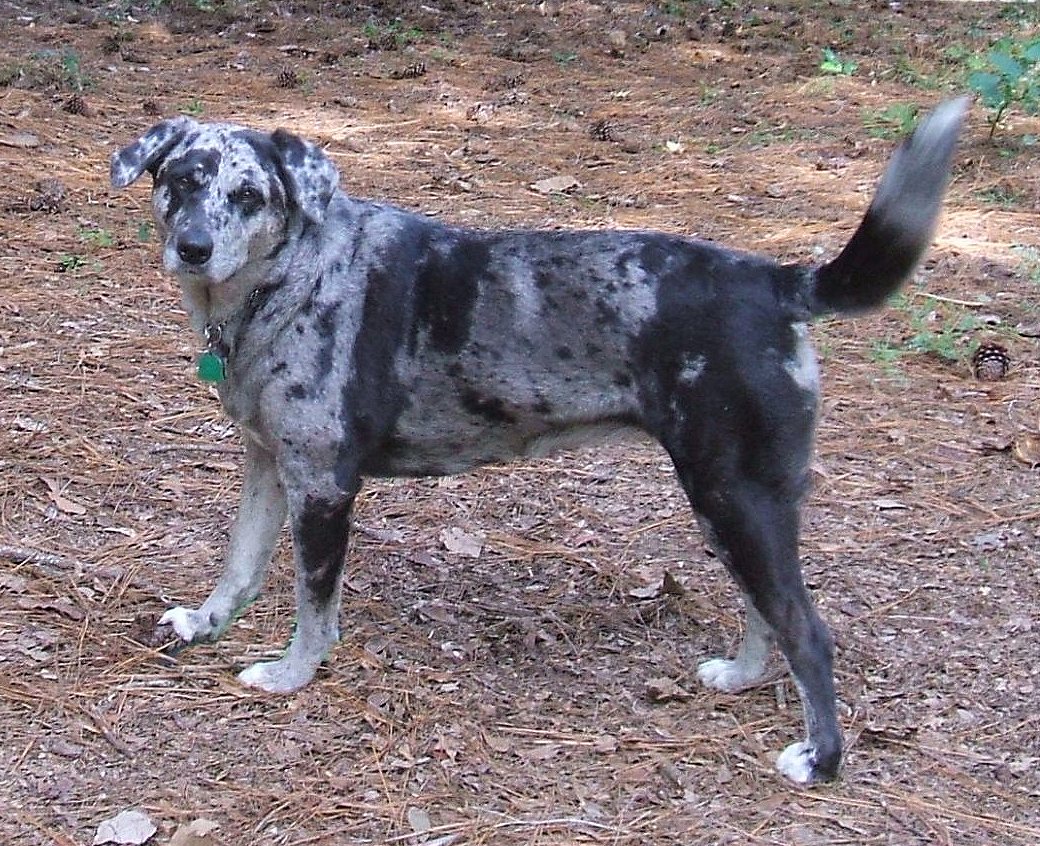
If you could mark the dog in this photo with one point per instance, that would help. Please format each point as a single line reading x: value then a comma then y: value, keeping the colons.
x: 350, y: 338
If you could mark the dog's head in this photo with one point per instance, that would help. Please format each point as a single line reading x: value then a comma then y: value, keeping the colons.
x: 226, y: 198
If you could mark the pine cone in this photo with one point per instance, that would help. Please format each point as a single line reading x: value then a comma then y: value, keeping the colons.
x: 50, y: 196
x: 604, y: 130
x: 990, y: 362
x: 288, y: 78
x: 76, y: 105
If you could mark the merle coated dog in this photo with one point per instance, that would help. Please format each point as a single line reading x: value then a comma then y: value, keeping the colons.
x: 350, y: 338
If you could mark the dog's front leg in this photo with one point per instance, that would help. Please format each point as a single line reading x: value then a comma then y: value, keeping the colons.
x: 320, y: 527
x: 261, y: 515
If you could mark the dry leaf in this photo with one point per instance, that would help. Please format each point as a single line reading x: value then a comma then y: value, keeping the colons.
x: 63, y: 503
x: 200, y: 832
x: 556, y: 185
x: 419, y: 820
x: 664, y: 690
x: 890, y: 505
x: 1026, y: 449
x: 130, y: 828
x: 457, y: 541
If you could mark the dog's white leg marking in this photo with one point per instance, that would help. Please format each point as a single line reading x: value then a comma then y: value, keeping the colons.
x: 749, y: 665
x: 797, y: 762
x: 317, y: 631
x: 261, y: 514
x: 320, y: 528
x: 803, y: 368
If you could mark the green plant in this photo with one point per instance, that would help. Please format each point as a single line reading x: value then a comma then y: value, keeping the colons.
x: 565, y: 57
x: 97, y: 237
x: 73, y: 71
x: 68, y: 262
x: 892, y: 122
x: 1011, y: 78
x: 193, y: 107
x: 940, y: 333
x: 835, y: 65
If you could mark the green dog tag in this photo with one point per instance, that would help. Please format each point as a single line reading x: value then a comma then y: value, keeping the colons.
x: 211, y: 367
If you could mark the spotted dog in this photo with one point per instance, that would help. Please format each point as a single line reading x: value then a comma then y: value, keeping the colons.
x: 355, y: 339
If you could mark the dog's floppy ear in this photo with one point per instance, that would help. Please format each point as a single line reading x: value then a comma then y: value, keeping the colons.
x: 311, y: 178
x: 148, y: 151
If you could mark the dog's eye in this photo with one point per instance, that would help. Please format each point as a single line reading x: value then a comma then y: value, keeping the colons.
x: 248, y: 197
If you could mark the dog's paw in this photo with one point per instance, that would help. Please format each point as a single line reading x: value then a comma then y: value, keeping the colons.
x: 798, y: 763
x: 282, y: 676
x: 726, y: 675
x: 189, y: 625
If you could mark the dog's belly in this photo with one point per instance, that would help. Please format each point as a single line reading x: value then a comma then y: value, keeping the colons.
x: 429, y: 454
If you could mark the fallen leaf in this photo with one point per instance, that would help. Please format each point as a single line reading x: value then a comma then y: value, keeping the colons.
x: 461, y: 543
x: 419, y: 820
x: 200, y: 832
x: 890, y: 505
x: 130, y: 828
x: 665, y: 690
x: 556, y: 185
x: 62, y: 502
x: 1026, y: 449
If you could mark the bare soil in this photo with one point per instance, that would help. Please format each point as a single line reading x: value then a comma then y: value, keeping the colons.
x: 543, y: 692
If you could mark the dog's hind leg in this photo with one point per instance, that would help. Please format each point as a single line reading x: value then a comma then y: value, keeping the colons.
x: 753, y: 518
x: 261, y: 515
x: 320, y: 528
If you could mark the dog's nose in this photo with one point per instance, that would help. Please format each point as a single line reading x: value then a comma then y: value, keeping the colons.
x: 195, y: 247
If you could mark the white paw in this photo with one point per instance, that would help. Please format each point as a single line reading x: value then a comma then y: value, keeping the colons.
x: 726, y: 675
x: 282, y: 676
x: 797, y: 762
x: 190, y: 625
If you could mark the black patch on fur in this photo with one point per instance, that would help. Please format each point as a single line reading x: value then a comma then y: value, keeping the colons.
x: 321, y: 531
x: 564, y: 353
x: 325, y: 323
x: 296, y: 392
x: 186, y: 175
x: 447, y: 287
x: 490, y: 408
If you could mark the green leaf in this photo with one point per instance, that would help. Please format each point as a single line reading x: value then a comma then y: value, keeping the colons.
x: 1006, y: 64
x: 1031, y: 52
x: 990, y: 87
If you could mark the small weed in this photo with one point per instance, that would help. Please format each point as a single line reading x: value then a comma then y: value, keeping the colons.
x: 69, y: 262
x: 145, y: 230
x: 892, y: 122
x: 390, y: 36
x: 1030, y: 259
x: 565, y: 57
x: 940, y: 333
x: 73, y: 71
x: 941, y: 330
x: 834, y: 65
x: 1001, y: 195
x: 1011, y: 78
x: 97, y: 237
x: 193, y: 108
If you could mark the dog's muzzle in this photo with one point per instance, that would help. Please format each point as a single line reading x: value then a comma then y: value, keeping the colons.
x: 194, y: 247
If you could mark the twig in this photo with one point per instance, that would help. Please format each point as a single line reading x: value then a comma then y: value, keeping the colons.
x: 953, y: 300
x: 36, y: 557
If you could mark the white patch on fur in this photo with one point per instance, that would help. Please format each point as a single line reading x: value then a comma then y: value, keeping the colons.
x: 796, y: 762
x: 282, y: 676
x: 692, y: 368
x: 186, y: 622
x: 749, y: 666
x: 803, y: 368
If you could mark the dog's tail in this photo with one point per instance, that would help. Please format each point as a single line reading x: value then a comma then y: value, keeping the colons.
x: 898, y: 226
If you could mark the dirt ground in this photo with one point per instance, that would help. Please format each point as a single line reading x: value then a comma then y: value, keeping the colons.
x: 541, y: 690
